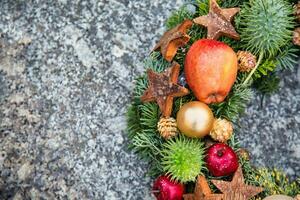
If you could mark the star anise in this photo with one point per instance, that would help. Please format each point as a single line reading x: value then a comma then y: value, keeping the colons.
x: 218, y: 21
x: 163, y: 88
x: 173, y: 39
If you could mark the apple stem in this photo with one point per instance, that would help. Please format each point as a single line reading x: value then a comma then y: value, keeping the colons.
x: 220, y: 153
x: 254, y: 69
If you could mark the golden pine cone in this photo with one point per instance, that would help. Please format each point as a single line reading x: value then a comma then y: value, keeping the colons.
x: 296, y: 36
x: 297, y: 11
x: 167, y: 127
x: 222, y: 130
x: 246, y: 60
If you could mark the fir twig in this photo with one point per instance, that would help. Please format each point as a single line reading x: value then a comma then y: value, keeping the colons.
x: 178, y: 17
x: 267, y: 85
x: 235, y: 103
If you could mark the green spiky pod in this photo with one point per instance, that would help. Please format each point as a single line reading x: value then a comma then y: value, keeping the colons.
x: 266, y: 27
x: 183, y: 158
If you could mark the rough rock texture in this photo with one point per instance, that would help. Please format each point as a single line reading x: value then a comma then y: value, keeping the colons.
x: 66, y: 73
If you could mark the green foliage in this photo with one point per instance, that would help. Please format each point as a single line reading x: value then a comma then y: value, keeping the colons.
x: 133, y: 121
x: 235, y: 103
x: 276, y: 182
x: 287, y: 58
x: 266, y: 67
x: 178, y: 17
x: 266, y: 26
x: 268, y: 84
x: 183, y: 158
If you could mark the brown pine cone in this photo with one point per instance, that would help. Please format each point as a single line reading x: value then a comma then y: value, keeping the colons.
x: 167, y: 127
x: 243, y: 153
x: 222, y: 130
x: 296, y: 36
x: 297, y: 11
x: 246, y: 60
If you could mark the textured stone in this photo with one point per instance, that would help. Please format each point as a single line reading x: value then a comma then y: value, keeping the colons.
x: 66, y: 76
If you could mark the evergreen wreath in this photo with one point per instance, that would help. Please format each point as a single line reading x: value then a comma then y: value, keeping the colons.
x: 266, y: 33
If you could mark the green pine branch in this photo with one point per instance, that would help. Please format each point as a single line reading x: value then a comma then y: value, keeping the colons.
x: 268, y: 84
x: 235, y: 103
x: 287, y: 58
x: 178, y: 17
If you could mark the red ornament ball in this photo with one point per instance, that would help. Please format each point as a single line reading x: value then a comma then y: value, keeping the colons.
x: 166, y: 189
x: 221, y: 160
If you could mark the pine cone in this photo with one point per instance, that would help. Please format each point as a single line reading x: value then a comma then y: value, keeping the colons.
x: 298, y: 196
x: 167, y: 127
x: 296, y: 36
x: 297, y: 11
x: 247, y: 61
x: 243, y: 153
x: 222, y: 130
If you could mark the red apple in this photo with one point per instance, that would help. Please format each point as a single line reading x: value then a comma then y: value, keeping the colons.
x: 210, y: 68
x: 165, y: 189
x: 221, y: 160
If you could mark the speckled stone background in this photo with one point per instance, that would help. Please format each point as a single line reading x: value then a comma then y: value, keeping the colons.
x: 66, y: 74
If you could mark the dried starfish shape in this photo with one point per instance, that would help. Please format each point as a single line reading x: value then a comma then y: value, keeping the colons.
x: 218, y: 21
x: 237, y: 189
x: 173, y: 39
x: 163, y: 88
x: 202, y: 191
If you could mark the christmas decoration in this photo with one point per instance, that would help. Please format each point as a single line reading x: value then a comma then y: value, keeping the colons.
x: 237, y: 189
x: 167, y: 127
x: 296, y: 36
x: 166, y: 189
x: 173, y: 39
x: 246, y: 60
x: 278, y: 197
x: 218, y: 21
x: 183, y: 158
x: 195, y: 119
x: 210, y: 68
x: 221, y: 160
x: 222, y: 130
x: 219, y: 64
x: 163, y: 88
x: 202, y: 191
x: 182, y: 80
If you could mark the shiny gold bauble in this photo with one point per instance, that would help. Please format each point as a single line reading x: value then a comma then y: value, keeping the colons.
x: 278, y: 197
x: 195, y: 119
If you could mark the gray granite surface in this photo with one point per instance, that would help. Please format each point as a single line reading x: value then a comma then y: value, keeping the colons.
x: 66, y: 74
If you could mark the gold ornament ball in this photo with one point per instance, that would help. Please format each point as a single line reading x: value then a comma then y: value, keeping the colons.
x: 278, y: 197
x: 195, y: 119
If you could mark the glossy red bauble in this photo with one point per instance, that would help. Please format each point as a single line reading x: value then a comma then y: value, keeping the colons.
x: 221, y: 160
x: 165, y: 189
